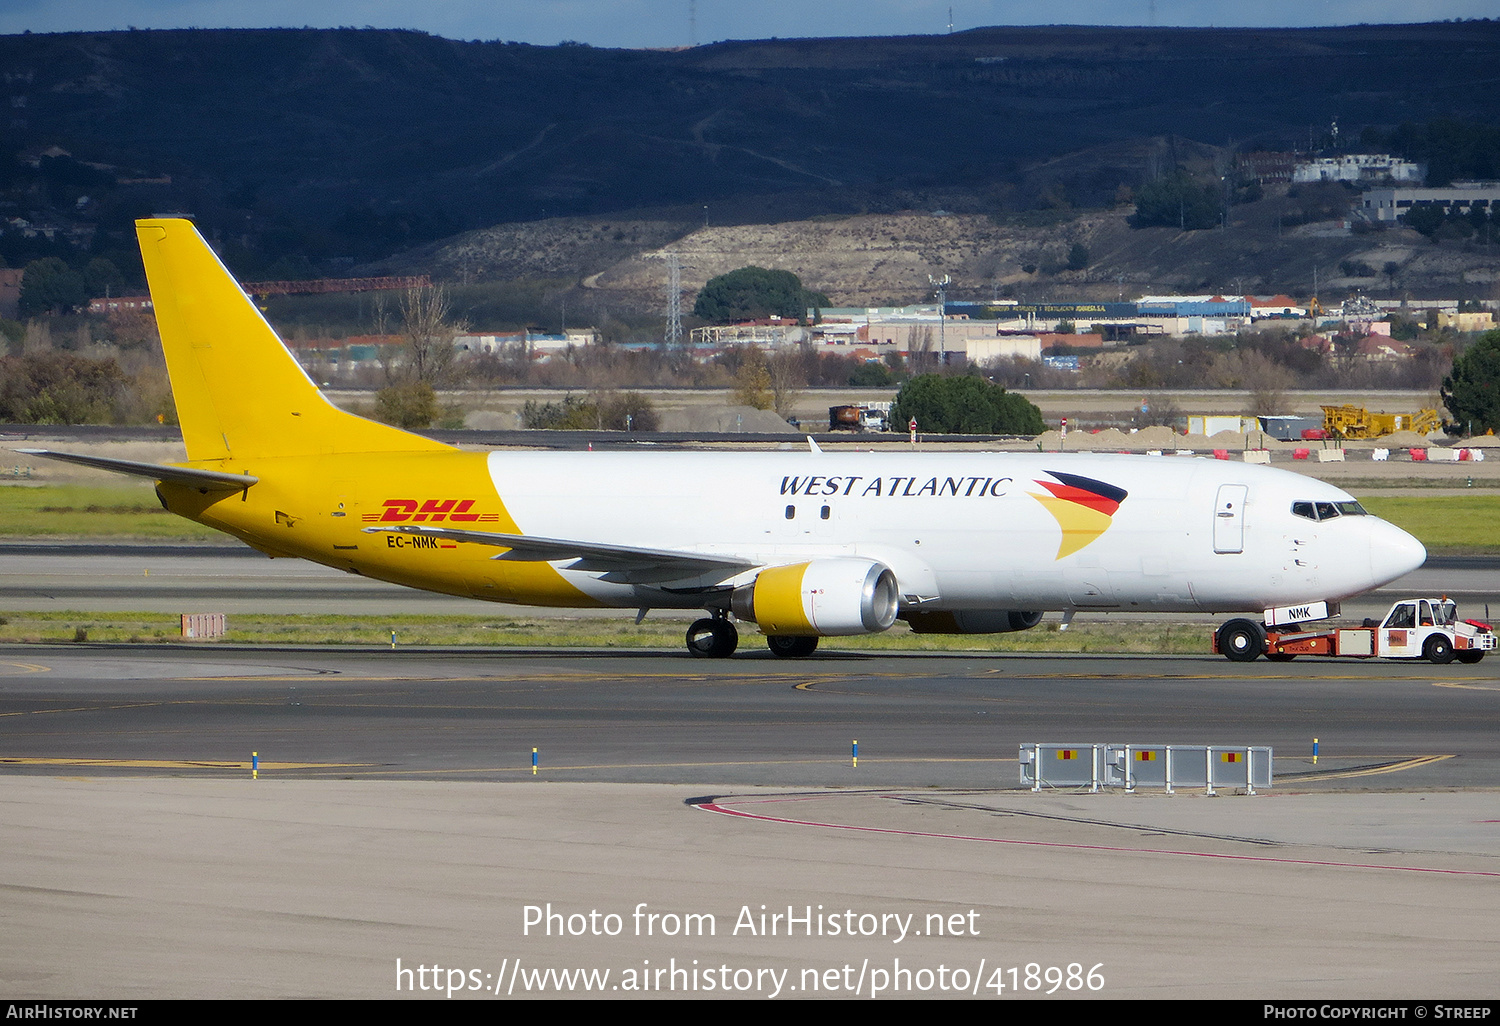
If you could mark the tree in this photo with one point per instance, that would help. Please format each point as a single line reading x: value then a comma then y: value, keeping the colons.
x: 752, y: 385
x: 409, y: 406
x: 1426, y: 218
x: 1177, y: 201
x: 1472, y: 390
x: 429, y: 333
x: 59, y: 388
x: 1078, y: 257
x: 101, y: 277
x: 964, y: 404
x: 51, y: 286
x: 784, y: 367
x: 601, y: 411
x: 753, y: 292
x: 871, y: 375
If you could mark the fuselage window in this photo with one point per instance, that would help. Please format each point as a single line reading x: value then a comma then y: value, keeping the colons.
x: 826, y: 513
x: 791, y: 511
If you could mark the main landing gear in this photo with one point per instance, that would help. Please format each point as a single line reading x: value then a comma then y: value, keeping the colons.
x: 792, y: 647
x: 715, y: 637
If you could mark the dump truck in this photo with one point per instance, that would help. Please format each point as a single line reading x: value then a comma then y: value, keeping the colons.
x: 1419, y: 628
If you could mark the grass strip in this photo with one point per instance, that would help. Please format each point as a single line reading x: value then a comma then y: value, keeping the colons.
x: 1451, y: 524
x: 92, y: 511
x: 1153, y: 637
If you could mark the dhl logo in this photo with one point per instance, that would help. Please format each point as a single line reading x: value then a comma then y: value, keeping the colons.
x: 430, y: 511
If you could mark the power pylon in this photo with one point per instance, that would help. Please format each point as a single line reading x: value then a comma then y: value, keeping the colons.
x: 673, y: 335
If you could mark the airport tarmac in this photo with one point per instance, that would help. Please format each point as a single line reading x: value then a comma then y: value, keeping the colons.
x: 396, y: 816
x: 136, y: 888
x: 939, y: 720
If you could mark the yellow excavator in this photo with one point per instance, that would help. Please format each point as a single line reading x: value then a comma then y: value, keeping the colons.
x: 1354, y: 422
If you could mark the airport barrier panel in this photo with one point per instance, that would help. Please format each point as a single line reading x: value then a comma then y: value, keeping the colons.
x: 201, y: 626
x: 1100, y: 766
x: 1061, y: 765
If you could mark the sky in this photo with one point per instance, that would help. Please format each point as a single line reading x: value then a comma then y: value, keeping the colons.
x: 660, y: 23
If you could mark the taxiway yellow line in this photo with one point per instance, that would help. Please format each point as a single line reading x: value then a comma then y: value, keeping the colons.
x: 1374, y: 771
x: 179, y: 764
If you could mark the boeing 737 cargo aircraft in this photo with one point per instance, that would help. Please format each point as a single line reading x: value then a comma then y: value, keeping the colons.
x: 804, y: 544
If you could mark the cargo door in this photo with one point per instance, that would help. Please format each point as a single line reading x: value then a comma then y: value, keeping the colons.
x: 1229, y: 518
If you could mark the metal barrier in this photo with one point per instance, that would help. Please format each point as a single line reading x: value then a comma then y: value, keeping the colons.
x: 1099, y: 766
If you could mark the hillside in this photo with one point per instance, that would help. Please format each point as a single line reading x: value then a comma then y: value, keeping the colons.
x: 323, y: 146
x: 878, y: 259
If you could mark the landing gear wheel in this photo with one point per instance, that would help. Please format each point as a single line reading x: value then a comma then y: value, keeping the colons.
x: 791, y: 647
x: 1242, y: 640
x: 1471, y: 656
x: 712, y: 638
x: 1438, y: 649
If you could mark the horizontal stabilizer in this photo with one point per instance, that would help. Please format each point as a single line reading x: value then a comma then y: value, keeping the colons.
x: 661, y: 564
x: 212, y: 479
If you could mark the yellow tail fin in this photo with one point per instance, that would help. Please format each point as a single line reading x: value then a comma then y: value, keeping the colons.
x: 240, y: 394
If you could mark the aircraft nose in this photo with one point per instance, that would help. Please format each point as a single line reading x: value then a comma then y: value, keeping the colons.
x: 1393, y: 552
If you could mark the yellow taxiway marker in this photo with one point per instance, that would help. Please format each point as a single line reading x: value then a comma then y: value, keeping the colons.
x: 26, y: 667
x: 1375, y: 771
x: 180, y: 764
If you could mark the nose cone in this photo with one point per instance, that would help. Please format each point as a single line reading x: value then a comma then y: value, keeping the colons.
x: 1393, y: 552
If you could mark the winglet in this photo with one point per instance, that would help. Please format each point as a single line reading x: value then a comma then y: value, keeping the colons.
x: 813, y: 446
x: 239, y: 392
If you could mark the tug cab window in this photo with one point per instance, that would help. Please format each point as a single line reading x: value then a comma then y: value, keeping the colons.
x: 1403, y: 617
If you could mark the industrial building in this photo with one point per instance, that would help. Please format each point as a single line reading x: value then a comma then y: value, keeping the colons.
x: 1387, y: 205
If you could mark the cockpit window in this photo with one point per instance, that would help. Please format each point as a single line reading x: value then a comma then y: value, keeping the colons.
x: 1327, y: 510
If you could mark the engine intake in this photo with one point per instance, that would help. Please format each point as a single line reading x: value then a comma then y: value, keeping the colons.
x: 823, y: 597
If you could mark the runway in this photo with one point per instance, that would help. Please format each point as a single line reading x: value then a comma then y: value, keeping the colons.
x: 663, y: 717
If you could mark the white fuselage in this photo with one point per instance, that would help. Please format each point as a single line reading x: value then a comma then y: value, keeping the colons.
x: 967, y: 530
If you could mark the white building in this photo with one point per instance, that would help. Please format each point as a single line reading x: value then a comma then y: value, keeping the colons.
x: 1359, y: 167
x: 1389, y: 204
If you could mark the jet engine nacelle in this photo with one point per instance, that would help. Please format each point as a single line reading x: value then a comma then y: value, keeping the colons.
x: 823, y: 597
x: 972, y: 621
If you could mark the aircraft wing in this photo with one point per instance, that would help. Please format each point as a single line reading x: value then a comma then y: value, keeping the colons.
x: 210, y: 479
x: 623, y: 563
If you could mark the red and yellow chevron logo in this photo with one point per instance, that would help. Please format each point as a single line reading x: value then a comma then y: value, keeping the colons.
x: 1083, y: 507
